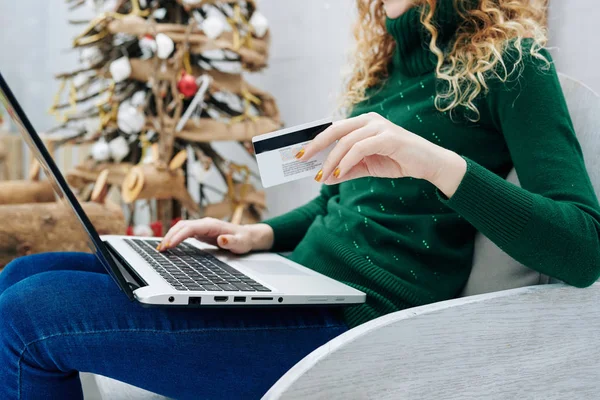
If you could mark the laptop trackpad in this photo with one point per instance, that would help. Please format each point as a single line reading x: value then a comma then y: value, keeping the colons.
x: 272, y: 268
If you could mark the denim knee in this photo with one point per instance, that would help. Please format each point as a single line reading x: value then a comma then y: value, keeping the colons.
x: 13, y: 272
x: 12, y: 317
x: 28, y: 308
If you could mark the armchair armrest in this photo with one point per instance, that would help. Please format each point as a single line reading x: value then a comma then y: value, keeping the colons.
x: 533, y: 342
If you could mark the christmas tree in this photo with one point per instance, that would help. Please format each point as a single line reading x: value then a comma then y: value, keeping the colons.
x: 161, y: 80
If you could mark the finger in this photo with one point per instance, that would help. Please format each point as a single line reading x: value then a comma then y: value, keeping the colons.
x: 343, y: 146
x: 207, y: 227
x: 358, y: 152
x: 238, y: 244
x: 207, y: 239
x: 358, y: 171
x: 174, y: 229
x: 184, y: 233
x: 336, y: 131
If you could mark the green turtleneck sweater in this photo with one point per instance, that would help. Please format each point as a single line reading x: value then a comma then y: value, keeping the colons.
x: 404, y: 244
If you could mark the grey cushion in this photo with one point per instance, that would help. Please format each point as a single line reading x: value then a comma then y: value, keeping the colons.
x: 493, y: 269
x: 112, y: 389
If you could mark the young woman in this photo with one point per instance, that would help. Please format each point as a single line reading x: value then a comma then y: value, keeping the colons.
x: 446, y: 97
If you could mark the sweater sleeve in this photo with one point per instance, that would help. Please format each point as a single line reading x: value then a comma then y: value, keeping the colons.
x: 552, y: 222
x: 290, y: 228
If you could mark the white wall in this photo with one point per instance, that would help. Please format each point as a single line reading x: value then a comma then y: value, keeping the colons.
x: 311, y: 39
x: 574, y: 33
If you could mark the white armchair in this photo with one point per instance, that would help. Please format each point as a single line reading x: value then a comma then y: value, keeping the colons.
x: 505, y: 338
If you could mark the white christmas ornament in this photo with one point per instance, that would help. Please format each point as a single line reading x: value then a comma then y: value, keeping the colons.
x: 142, y: 230
x: 148, y: 46
x: 198, y: 172
x: 80, y: 79
x: 229, y: 67
x: 119, y: 148
x: 259, y: 23
x: 101, y: 150
x: 213, y: 27
x: 233, y: 101
x: 90, y: 56
x: 191, y: 2
x: 120, y: 69
x: 214, y: 54
x: 130, y: 119
x: 138, y: 99
x: 164, y: 46
x: 121, y: 38
x: 160, y: 13
x: 92, y: 125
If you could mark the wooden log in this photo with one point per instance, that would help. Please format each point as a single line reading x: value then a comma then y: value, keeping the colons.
x: 249, y: 211
x: 223, y: 211
x: 218, y: 2
x: 19, y: 192
x: 3, y: 162
x: 44, y: 227
x: 209, y: 130
x: 152, y: 181
x: 88, y: 172
x: 14, y: 155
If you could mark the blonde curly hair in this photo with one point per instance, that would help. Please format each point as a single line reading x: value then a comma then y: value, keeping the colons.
x: 475, y: 53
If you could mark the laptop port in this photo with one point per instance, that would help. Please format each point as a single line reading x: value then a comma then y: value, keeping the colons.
x: 221, y: 299
x: 194, y: 301
x: 262, y: 298
x: 238, y: 299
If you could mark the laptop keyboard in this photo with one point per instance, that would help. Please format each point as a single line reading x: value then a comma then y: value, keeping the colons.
x: 189, y: 268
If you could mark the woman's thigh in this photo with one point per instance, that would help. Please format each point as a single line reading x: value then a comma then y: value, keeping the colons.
x: 56, y: 323
x: 24, y: 267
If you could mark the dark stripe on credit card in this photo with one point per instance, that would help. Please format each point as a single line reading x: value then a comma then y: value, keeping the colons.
x: 289, y: 139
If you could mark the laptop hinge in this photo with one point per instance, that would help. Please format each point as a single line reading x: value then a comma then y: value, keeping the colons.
x: 134, y: 280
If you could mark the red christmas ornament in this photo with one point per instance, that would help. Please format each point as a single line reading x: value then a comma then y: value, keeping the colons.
x: 157, y: 228
x: 187, y: 85
x: 130, y: 231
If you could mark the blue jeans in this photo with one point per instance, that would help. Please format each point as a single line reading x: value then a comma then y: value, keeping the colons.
x: 60, y: 313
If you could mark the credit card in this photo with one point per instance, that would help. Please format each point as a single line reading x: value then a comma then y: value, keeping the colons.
x: 276, y: 153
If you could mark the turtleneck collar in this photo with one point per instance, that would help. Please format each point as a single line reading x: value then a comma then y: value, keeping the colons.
x: 412, y: 55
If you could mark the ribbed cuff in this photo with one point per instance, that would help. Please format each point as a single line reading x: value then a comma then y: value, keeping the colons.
x: 289, y: 229
x: 497, y: 208
x: 280, y: 233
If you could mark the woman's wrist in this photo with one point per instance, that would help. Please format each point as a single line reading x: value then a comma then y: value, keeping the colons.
x: 449, y: 173
x: 262, y: 237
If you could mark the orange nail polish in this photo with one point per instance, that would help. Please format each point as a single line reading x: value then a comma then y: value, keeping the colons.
x: 319, y: 176
x: 158, y: 247
x: 168, y: 244
x: 300, y: 154
x: 336, y: 173
x: 224, y: 241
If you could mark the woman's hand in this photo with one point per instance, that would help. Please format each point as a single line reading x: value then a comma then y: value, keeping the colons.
x: 370, y: 145
x: 238, y: 239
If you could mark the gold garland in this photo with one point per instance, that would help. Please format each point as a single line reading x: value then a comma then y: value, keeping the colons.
x: 249, y: 99
x: 240, y: 41
x: 83, y: 40
x: 146, y: 145
x: 63, y: 117
x: 231, y: 194
x: 111, y: 115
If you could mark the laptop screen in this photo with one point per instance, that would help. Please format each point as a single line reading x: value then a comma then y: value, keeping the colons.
x: 59, y: 184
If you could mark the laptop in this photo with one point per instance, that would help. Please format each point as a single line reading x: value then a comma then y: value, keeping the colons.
x: 194, y: 274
